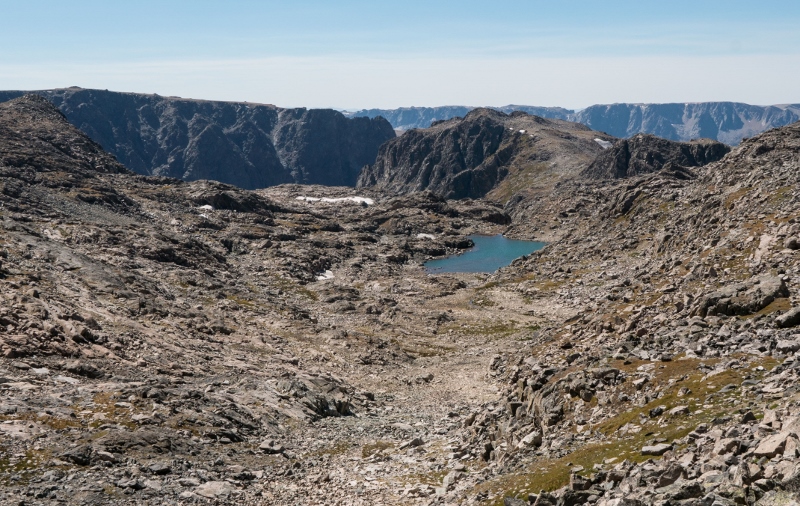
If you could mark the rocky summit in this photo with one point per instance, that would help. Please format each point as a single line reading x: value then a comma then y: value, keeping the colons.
x: 485, y: 153
x: 247, y: 145
x: 174, y: 342
x: 643, y: 154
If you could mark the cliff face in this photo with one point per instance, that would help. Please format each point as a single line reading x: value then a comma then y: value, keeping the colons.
x: 247, y: 145
x: 643, y: 154
x: 485, y: 152
x: 727, y: 122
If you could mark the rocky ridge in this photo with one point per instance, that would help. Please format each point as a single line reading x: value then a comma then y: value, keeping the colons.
x: 643, y: 154
x: 247, y: 145
x: 485, y: 153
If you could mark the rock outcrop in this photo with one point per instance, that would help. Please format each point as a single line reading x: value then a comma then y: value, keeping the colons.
x: 35, y: 137
x: 643, y: 154
x: 247, y: 145
x: 486, y: 151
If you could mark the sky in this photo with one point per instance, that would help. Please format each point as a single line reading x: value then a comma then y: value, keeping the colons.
x: 352, y: 54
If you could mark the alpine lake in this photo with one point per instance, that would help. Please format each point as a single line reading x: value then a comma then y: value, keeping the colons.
x: 489, y: 254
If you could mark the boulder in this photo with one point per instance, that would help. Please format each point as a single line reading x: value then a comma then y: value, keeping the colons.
x: 742, y: 298
x: 787, y: 346
x: 271, y: 447
x: 214, y: 489
x: 656, y: 450
x: 790, y: 318
x: 532, y: 439
x: 771, y: 445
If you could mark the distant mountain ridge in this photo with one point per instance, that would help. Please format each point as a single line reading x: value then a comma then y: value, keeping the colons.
x: 727, y: 122
x: 247, y: 145
x: 406, y: 118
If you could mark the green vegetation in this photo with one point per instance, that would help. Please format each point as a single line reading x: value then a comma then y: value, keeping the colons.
x: 370, y: 449
x: 674, y: 379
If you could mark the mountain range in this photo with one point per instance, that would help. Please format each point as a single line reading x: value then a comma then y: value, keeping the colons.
x: 727, y: 122
x: 247, y: 145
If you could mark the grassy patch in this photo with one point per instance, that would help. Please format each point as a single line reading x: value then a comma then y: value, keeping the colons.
x: 733, y: 197
x: 24, y: 466
x: 781, y: 304
x: 493, y: 329
x: 290, y: 286
x: 781, y: 195
x: 241, y: 301
x: 704, y: 401
x: 370, y: 449
x: 339, y: 448
x: 52, y: 422
x: 423, y: 349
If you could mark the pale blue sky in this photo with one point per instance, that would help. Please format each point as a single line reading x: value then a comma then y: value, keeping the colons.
x: 354, y: 54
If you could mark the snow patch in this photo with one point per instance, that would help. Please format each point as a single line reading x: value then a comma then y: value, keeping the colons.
x: 604, y: 144
x: 522, y: 131
x: 206, y: 207
x: 357, y: 200
x: 426, y: 236
x: 325, y: 276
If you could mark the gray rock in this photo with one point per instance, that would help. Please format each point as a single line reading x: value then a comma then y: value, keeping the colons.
x: 417, y: 441
x: 790, y: 318
x: 532, y: 439
x: 771, y: 446
x: 657, y: 450
x: 80, y: 455
x: 215, y: 489
x: 160, y: 468
x: 270, y: 446
x: 472, y: 155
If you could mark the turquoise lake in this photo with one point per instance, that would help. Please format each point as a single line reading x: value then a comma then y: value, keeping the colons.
x: 489, y: 254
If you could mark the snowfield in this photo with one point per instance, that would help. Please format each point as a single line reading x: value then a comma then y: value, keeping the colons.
x: 604, y: 144
x: 357, y: 200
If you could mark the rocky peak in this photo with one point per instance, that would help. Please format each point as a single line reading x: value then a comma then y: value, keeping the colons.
x: 35, y: 136
x: 645, y: 153
x: 487, y: 152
